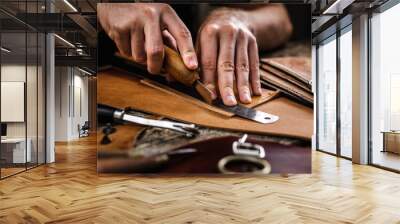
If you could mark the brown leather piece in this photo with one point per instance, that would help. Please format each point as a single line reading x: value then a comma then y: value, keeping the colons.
x: 287, y: 77
x: 283, y: 159
x: 286, y: 86
x: 291, y: 75
x: 298, y: 67
x: 120, y: 89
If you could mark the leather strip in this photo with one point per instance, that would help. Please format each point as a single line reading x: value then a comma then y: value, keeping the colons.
x: 286, y: 86
x: 299, y: 67
x: 287, y: 77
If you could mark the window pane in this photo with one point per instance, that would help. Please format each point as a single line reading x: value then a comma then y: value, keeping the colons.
x: 327, y: 96
x: 31, y: 97
x: 385, y: 84
x: 345, y: 94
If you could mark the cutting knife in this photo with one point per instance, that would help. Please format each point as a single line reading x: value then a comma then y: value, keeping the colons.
x: 174, y: 65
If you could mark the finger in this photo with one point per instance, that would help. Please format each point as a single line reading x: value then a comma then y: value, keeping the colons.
x: 208, y: 45
x: 169, y: 40
x: 137, y: 45
x: 183, y: 38
x: 122, y: 40
x: 154, y: 47
x: 242, y: 69
x: 254, y: 67
x: 226, y: 67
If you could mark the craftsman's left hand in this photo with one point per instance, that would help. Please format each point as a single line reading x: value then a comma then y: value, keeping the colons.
x: 229, y: 53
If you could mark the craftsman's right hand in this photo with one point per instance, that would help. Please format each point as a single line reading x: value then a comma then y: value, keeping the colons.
x: 139, y: 30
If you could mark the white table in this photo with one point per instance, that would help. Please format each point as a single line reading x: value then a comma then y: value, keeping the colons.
x: 19, y: 153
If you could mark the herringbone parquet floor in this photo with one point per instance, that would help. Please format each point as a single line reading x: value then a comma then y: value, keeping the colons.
x: 70, y: 191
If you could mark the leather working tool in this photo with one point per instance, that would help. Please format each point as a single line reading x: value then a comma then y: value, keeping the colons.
x: 107, y: 114
x: 174, y: 66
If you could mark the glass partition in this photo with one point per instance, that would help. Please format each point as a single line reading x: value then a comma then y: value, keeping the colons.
x: 385, y: 89
x: 15, y: 149
x: 346, y: 92
x: 22, y: 92
x: 327, y: 95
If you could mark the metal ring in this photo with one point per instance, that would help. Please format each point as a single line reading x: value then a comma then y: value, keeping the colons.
x: 227, y: 159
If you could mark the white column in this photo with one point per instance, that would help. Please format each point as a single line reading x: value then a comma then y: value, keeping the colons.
x: 50, y: 92
x: 314, y: 90
x: 360, y: 90
x: 50, y: 99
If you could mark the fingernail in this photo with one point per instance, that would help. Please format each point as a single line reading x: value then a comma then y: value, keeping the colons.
x: 230, y: 97
x: 247, y: 97
x: 192, y: 62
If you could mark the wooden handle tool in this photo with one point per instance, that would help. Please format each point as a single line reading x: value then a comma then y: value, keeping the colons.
x: 174, y: 66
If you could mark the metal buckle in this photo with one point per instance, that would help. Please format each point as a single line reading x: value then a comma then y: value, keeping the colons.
x: 246, y: 158
x: 241, y: 147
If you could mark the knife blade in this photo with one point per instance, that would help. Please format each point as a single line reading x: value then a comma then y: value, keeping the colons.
x: 248, y: 113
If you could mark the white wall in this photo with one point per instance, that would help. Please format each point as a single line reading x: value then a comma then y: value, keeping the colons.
x: 71, y: 103
x: 33, y: 126
x: 12, y: 73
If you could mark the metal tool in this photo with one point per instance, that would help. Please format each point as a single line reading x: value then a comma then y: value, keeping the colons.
x: 248, y: 113
x: 247, y: 158
x: 108, y: 114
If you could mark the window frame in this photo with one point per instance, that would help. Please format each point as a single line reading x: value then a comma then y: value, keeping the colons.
x: 339, y: 32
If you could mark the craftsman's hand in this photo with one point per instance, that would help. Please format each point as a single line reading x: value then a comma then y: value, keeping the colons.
x: 228, y: 44
x: 228, y: 53
x: 140, y: 30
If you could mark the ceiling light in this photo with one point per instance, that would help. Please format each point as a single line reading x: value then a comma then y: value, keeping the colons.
x: 65, y: 41
x: 70, y: 5
x: 84, y: 71
x: 5, y: 50
x: 338, y: 6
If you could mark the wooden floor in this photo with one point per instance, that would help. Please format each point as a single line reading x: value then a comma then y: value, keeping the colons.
x: 70, y: 191
x: 387, y: 159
